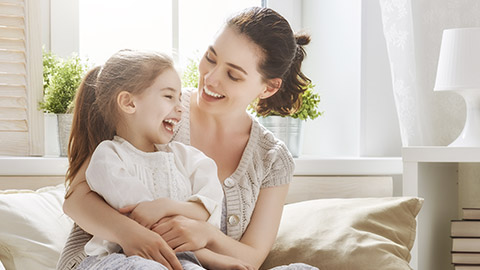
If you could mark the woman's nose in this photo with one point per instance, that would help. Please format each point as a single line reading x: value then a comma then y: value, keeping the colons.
x: 211, y: 78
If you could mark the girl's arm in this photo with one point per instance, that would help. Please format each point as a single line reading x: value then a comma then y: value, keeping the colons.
x: 150, y: 212
x: 183, y: 234
x: 95, y: 216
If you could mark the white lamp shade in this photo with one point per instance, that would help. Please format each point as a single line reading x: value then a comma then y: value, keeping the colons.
x: 459, y: 61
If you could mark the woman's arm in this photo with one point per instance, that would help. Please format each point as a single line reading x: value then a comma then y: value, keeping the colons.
x: 261, y: 232
x: 215, y: 261
x: 183, y: 234
x: 95, y: 216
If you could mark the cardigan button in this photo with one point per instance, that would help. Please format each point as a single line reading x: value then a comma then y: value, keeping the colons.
x: 229, y: 182
x: 233, y: 220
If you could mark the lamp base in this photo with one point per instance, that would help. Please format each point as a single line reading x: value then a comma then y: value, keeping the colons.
x: 470, y: 136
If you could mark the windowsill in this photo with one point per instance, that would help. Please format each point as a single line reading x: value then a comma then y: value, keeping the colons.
x: 314, y: 165
x: 305, y: 165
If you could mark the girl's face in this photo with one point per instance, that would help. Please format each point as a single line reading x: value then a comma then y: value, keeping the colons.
x: 229, y: 79
x: 158, y: 109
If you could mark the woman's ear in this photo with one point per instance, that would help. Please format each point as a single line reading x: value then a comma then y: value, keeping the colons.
x: 125, y: 102
x: 272, y: 87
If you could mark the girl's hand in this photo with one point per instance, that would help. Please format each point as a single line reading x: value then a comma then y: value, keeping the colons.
x: 184, y: 234
x: 145, y: 213
x: 150, y: 245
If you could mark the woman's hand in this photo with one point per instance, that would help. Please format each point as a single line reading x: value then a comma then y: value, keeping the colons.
x: 214, y: 261
x: 147, y: 244
x: 184, y: 234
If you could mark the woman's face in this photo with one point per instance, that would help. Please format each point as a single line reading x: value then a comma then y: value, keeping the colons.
x: 229, y: 79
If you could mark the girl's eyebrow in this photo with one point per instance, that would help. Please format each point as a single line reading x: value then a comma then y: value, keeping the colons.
x: 169, y: 89
x: 230, y: 64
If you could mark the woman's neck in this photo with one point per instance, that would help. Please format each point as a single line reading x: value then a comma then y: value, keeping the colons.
x: 221, y: 137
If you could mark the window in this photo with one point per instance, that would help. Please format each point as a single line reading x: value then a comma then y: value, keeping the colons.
x: 182, y: 27
x: 346, y: 59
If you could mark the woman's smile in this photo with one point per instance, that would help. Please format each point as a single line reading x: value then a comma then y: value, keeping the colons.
x: 209, y: 95
x: 212, y: 94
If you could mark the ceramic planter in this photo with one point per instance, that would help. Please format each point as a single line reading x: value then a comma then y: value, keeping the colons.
x: 287, y: 129
x: 64, y: 127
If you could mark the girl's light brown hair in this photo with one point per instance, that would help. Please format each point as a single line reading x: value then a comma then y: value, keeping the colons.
x: 95, y: 113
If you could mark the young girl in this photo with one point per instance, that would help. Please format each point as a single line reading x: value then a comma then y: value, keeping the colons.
x: 132, y: 103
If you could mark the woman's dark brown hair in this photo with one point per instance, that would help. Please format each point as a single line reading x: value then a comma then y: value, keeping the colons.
x: 95, y: 113
x: 283, y: 55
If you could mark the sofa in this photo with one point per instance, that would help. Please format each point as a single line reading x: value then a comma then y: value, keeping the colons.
x: 376, y: 231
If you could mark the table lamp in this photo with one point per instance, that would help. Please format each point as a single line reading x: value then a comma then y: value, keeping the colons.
x: 459, y: 70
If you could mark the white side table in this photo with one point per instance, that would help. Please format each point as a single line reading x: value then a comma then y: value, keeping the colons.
x: 432, y: 173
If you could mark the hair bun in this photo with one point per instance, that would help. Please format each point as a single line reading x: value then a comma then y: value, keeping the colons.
x: 302, y: 39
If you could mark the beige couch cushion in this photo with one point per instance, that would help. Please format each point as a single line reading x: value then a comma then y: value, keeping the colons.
x: 366, y: 233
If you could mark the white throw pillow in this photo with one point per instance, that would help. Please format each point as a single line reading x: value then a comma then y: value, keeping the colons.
x: 33, y: 228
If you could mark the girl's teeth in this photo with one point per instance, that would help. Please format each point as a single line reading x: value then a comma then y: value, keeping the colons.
x: 212, y: 94
x: 170, y: 121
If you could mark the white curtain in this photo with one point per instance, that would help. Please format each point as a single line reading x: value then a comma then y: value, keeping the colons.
x: 413, y: 33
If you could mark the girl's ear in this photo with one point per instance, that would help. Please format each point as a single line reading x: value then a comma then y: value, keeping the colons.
x: 272, y: 87
x: 125, y: 102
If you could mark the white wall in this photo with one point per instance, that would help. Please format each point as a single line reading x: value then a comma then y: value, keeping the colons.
x: 64, y: 27
x: 380, y: 130
x: 347, y: 61
x: 333, y: 64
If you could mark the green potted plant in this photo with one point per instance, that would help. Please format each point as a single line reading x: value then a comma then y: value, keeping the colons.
x: 61, y: 78
x: 289, y: 128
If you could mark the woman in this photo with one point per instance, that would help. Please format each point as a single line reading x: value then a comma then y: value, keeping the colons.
x: 255, y: 57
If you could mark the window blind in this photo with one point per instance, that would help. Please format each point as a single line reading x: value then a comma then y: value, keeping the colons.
x: 21, y: 124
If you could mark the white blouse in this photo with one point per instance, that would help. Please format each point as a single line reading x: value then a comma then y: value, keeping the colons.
x: 124, y: 175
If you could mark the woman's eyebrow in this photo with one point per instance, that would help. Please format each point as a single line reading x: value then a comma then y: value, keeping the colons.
x: 230, y: 64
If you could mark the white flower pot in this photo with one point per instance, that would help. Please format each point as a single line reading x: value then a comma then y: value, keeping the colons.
x: 51, y: 135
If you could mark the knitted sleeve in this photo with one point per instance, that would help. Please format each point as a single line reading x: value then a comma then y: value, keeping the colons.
x: 278, y: 162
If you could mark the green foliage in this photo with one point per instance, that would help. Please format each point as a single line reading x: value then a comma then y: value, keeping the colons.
x: 308, y: 109
x: 50, y: 61
x: 61, y: 80
x: 190, y: 76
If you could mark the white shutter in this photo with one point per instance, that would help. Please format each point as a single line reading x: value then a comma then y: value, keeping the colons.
x: 21, y: 124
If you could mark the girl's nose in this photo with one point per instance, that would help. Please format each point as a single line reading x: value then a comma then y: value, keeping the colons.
x: 179, y: 108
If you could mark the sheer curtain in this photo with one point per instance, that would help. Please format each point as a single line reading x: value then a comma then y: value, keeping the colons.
x: 413, y: 32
